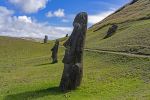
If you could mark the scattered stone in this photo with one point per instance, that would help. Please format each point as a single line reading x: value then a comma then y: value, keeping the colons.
x: 73, y: 58
x: 55, y: 51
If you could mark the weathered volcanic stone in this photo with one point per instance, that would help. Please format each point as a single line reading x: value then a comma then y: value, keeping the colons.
x: 73, y: 59
x: 45, y: 39
x: 55, y: 51
x: 66, y: 35
x: 111, y: 31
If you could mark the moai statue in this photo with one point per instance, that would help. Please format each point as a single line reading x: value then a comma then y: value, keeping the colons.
x: 45, y: 39
x: 66, y: 35
x: 111, y: 30
x: 55, y: 51
x: 73, y: 58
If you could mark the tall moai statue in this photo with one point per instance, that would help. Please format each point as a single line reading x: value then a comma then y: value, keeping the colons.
x: 73, y: 58
x: 55, y: 51
x: 45, y: 39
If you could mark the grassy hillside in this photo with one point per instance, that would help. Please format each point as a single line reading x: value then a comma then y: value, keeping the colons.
x: 133, y: 34
x: 26, y: 74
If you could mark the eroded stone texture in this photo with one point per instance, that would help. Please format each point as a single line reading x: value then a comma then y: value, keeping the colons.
x: 55, y: 51
x: 111, y: 31
x: 73, y: 59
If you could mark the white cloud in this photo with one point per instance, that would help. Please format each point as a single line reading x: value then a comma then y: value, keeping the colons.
x: 57, y: 13
x: 24, y: 26
x: 30, y: 6
x: 5, y: 15
x: 49, y: 14
x: 92, y: 19
x: 5, y: 12
x: 25, y: 19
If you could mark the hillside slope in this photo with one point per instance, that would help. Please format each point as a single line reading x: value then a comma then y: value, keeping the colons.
x: 132, y: 35
x: 26, y: 73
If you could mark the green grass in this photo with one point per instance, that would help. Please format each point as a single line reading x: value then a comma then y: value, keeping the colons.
x: 133, y: 34
x: 131, y: 37
x: 131, y: 12
x: 26, y: 74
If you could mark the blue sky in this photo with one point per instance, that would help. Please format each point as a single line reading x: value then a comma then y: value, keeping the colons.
x: 36, y: 18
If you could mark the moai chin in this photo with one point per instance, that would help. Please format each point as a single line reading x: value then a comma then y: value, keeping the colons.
x: 73, y: 58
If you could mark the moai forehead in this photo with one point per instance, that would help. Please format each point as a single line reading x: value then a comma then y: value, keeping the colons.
x: 81, y: 18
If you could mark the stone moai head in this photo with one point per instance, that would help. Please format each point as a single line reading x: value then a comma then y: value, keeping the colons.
x: 79, y: 31
x: 45, y: 39
x: 81, y: 18
x: 57, y: 42
x: 114, y: 26
x: 66, y: 35
x: 111, y: 31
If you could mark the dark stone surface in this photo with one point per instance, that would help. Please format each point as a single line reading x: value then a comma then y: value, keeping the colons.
x: 66, y: 35
x: 133, y: 1
x: 55, y: 51
x: 73, y: 58
x: 111, y: 31
x: 45, y: 39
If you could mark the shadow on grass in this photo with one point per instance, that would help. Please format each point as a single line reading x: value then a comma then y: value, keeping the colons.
x: 43, y: 64
x: 45, y: 43
x: 34, y: 94
x: 46, y: 64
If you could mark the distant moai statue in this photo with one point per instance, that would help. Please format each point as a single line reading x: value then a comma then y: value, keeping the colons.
x: 45, y: 39
x: 111, y: 30
x: 66, y: 35
x: 55, y: 51
x: 73, y: 58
